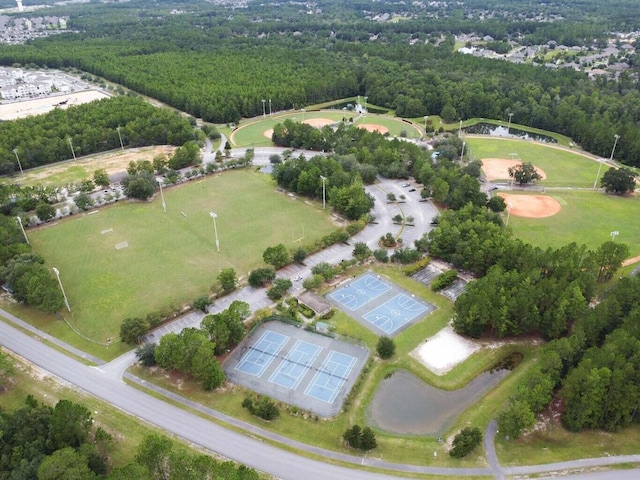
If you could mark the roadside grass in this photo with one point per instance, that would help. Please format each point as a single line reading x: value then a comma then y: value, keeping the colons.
x: 555, y: 444
x: 563, y: 168
x: 170, y: 258
x: 586, y: 217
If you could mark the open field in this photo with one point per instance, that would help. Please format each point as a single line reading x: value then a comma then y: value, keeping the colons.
x: 171, y: 258
x: 64, y: 173
x: 562, y: 167
x: 586, y: 217
x: 251, y: 133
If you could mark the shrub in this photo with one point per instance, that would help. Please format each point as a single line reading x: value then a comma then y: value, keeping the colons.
x: 132, y: 328
x: 146, y: 354
x: 415, y: 267
x: 201, y: 303
x: 386, y: 347
x: 444, y: 280
x: 464, y: 442
x: 381, y: 255
x: 360, y: 438
x: 264, y: 408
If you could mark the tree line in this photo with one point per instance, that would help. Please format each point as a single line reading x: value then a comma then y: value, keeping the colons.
x: 88, y: 128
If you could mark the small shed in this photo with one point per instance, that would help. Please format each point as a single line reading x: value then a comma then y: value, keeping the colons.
x: 316, y: 303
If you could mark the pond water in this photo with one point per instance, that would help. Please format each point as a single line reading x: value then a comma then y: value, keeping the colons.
x: 500, y: 131
x: 406, y: 404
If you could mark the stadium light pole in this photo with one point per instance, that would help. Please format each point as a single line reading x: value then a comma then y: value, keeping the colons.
x: 365, y: 104
x: 164, y: 205
x: 269, y: 108
x: 120, y: 137
x: 15, y: 152
x: 508, y: 213
x: 66, y: 301
x: 323, y: 191
x: 464, y: 144
x: 595, y: 183
x: 509, y: 125
x: 215, y: 228
x: 264, y: 113
x: 426, y: 117
x: 614, y: 234
x: 460, y: 129
x: 73, y: 152
x: 22, y: 228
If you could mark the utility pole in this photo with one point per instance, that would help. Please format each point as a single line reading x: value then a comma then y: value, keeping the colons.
x: 509, y: 126
x: 66, y: 301
x: 23, y: 232
x: 15, y: 152
x: 120, y: 137
x: 323, y: 191
x: 264, y: 113
x: 72, y: 150
x: 215, y: 229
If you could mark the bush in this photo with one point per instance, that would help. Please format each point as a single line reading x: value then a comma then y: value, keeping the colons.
x: 464, y: 442
x: 83, y: 201
x: 279, y: 289
x: 313, y: 282
x: 261, y: 276
x: 264, y: 408
x: 386, y: 347
x: 381, y: 255
x: 360, y: 438
x: 444, y: 280
x: 415, y: 267
x: 132, y: 328
x: 201, y: 303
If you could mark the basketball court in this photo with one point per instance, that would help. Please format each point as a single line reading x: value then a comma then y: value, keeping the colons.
x: 379, y: 304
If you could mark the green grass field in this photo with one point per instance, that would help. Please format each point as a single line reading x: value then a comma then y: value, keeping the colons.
x: 562, y: 167
x: 170, y: 258
x: 586, y: 217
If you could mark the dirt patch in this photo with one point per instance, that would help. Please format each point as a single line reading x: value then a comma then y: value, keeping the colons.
x: 114, y: 162
x: 268, y: 133
x: 39, y: 106
x: 319, y: 122
x: 630, y: 261
x: 372, y: 127
x: 444, y: 350
x: 498, y: 168
x: 531, y: 206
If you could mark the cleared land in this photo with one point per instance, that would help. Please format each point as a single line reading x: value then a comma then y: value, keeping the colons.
x: 64, y: 173
x: 39, y: 106
x: 169, y: 258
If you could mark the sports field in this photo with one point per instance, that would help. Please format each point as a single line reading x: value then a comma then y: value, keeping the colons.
x: 586, y: 217
x: 132, y: 258
x: 252, y: 132
x: 563, y: 168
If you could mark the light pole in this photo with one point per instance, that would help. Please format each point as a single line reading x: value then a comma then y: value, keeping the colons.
x: 509, y: 126
x: 72, y: 150
x: 164, y: 205
x: 365, y: 104
x: 215, y: 229
x: 595, y: 183
x: 426, y: 117
x: 23, y: 232
x: 66, y: 301
x: 508, y: 213
x: 323, y: 191
x: 264, y: 113
x: 303, y: 111
x: 464, y: 144
x: 15, y: 152
x: 460, y: 129
x: 120, y: 137
x: 614, y: 234
x: 269, y: 108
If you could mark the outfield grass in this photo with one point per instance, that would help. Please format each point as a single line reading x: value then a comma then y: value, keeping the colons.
x: 562, y: 167
x: 586, y: 217
x: 170, y: 258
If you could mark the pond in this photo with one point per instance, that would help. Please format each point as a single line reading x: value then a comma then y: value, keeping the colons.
x: 405, y: 404
x: 500, y: 131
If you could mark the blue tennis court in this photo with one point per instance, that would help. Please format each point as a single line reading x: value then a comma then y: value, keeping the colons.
x: 331, y: 376
x: 360, y: 292
x: 295, y: 365
x: 262, y: 353
x: 395, y: 313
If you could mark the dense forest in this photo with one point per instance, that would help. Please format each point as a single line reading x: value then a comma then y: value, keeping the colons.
x: 221, y: 68
x: 89, y: 128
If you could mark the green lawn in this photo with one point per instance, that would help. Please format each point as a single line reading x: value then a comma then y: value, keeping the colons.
x: 586, y: 217
x: 170, y: 258
x: 562, y: 167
